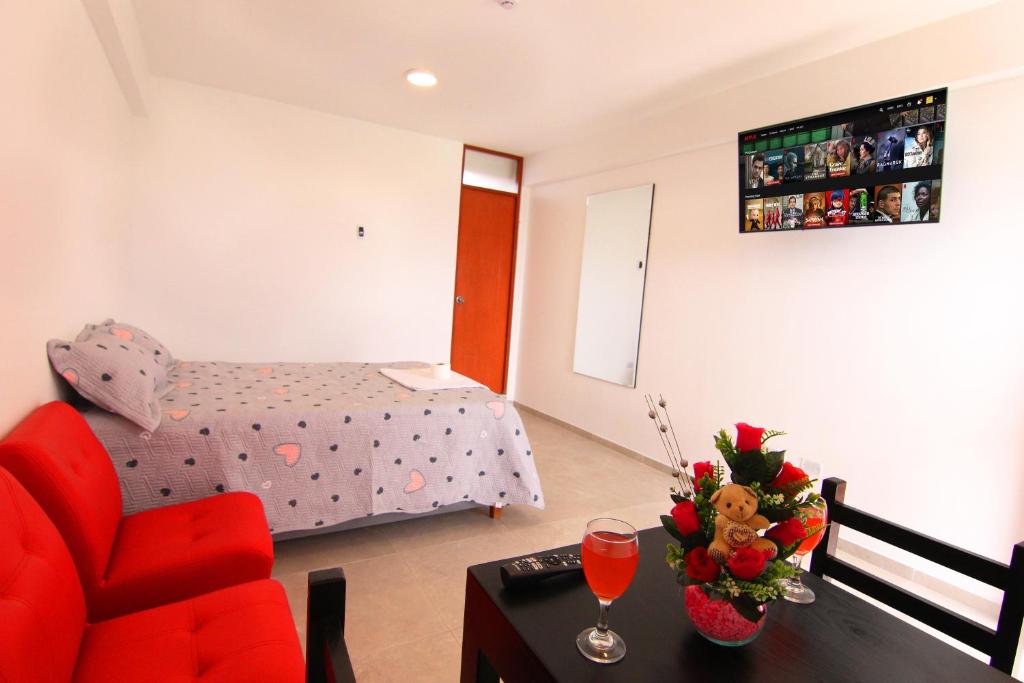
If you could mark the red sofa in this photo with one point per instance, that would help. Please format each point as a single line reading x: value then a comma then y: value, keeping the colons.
x: 128, y: 564
x: 241, y: 633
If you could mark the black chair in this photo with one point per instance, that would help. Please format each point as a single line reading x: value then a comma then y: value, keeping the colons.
x: 327, y: 658
x: 999, y: 644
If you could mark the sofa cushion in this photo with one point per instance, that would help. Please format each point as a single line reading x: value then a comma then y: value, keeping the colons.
x: 242, y: 633
x: 42, y: 612
x: 179, y: 551
x: 57, y: 458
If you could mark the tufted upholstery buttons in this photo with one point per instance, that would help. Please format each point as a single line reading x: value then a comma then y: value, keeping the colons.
x: 242, y: 633
x: 127, y: 564
x: 176, y: 552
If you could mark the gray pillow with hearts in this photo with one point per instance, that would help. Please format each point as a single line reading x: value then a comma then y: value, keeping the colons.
x: 145, y: 340
x: 113, y: 372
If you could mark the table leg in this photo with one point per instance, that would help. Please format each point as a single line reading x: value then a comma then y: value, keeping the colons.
x: 476, y: 668
x: 485, y: 673
x: 491, y: 647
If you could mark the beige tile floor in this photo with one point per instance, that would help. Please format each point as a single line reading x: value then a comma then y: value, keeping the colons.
x: 406, y: 580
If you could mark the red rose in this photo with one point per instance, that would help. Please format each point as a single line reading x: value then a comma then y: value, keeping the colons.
x: 685, y: 516
x: 699, y: 470
x: 747, y: 563
x: 748, y: 438
x: 789, y: 479
x: 787, y: 533
x: 699, y: 565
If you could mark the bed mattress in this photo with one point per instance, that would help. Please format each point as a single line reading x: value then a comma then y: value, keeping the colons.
x: 320, y: 443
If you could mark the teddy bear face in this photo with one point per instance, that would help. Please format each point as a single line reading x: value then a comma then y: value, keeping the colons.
x: 738, y: 503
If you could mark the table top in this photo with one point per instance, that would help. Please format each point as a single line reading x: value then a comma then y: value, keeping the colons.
x: 840, y: 637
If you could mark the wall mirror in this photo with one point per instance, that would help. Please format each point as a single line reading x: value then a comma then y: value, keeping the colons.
x: 612, y: 284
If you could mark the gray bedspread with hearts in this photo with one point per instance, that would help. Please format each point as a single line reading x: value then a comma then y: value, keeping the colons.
x: 320, y: 443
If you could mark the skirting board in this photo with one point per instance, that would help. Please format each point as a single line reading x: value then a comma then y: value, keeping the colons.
x: 867, y: 555
x: 628, y: 452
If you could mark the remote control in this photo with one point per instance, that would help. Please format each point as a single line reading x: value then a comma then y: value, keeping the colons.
x: 533, y: 568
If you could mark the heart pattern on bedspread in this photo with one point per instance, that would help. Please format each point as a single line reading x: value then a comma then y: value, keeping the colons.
x: 416, y: 482
x: 321, y: 443
x: 291, y: 452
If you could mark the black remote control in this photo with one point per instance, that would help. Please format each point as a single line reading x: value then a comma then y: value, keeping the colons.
x: 533, y: 568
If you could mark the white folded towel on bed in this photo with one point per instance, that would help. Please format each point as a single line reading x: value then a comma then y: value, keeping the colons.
x: 422, y: 379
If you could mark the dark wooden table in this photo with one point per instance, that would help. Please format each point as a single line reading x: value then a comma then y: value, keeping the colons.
x: 528, y: 636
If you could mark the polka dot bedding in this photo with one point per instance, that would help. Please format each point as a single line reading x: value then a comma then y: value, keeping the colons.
x: 320, y: 443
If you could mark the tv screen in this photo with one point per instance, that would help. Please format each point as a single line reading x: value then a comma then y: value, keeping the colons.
x: 878, y: 164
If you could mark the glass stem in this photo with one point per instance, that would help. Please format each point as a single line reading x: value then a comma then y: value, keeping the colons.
x: 602, y: 618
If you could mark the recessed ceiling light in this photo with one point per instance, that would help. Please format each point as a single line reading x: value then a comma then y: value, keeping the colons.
x: 421, y: 78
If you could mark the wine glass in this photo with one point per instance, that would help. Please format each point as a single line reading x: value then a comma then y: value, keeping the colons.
x: 610, y: 553
x: 814, y: 517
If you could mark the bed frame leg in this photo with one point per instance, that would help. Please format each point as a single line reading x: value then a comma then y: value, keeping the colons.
x: 495, y: 511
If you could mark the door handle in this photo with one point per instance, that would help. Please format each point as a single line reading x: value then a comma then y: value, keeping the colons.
x: 459, y: 300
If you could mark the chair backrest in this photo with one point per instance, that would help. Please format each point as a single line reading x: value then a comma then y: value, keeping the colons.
x: 999, y: 644
x: 58, y: 459
x: 42, y: 608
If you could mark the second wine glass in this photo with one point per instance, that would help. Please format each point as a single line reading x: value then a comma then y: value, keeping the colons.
x: 814, y: 517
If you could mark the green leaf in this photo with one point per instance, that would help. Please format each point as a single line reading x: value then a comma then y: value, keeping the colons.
x: 697, y: 538
x: 676, y: 498
x: 670, y: 526
x: 755, y: 466
x: 723, y: 442
x: 783, y: 551
x: 777, y: 514
x: 773, y: 463
x: 747, y: 608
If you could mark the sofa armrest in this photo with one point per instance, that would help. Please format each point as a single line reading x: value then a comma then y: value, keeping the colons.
x: 327, y: 659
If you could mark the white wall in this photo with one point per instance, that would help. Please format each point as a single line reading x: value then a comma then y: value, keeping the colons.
x: 966, y: 49
x: 891, y: 355
x: 244, y: 232
x: 64, y: 173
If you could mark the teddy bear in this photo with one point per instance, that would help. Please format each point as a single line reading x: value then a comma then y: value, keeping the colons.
x: 737, y: 523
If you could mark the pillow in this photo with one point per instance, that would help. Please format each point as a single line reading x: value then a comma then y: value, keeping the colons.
x: 148, y: 342
x: 114, y: 373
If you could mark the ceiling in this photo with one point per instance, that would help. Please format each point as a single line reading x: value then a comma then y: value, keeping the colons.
x: 522, y: 80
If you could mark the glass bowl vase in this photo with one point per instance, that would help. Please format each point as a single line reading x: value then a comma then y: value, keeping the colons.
x: 717, y: 619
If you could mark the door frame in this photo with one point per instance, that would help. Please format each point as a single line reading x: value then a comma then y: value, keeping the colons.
x: 515, y: 247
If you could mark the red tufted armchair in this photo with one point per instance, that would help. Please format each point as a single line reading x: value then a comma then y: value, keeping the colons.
x: 131, y: 563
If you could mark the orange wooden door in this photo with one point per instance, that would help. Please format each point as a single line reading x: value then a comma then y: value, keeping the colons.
x: 483, y: 285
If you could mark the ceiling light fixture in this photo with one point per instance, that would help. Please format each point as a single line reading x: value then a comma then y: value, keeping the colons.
x: 507, y: 4
x: 421, y: 78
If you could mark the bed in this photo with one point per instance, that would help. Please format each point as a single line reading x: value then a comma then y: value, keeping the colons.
x: 321, y: 444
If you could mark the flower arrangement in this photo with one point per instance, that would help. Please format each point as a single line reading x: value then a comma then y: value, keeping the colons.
x: 717, y: 522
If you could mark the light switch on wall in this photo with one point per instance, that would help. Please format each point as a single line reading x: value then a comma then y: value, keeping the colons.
x: 361, y: 231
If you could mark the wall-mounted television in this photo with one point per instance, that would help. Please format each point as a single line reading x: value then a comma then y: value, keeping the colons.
x: 878, y: 164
